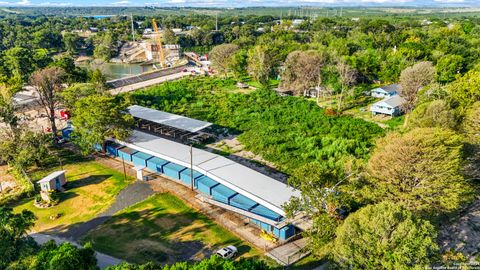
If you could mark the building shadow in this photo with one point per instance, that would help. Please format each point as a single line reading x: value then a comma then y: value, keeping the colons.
x: 89, y: 180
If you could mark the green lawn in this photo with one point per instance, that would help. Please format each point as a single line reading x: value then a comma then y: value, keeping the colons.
x: 90, y: 190
x: 163, y: 229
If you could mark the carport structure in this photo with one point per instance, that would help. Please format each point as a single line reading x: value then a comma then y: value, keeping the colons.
x: 177, y: 127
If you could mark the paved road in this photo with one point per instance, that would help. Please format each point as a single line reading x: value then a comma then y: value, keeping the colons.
x: 103, y: 260
x: 140, y: 85
x: 130, y: 195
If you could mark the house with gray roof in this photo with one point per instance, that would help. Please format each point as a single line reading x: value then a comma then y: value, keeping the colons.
x: 388, y: 106
x: 386, y: 91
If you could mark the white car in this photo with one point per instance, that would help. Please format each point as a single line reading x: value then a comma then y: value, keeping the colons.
x: 227, y: 252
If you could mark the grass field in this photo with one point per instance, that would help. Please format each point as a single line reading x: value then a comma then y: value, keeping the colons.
x: 163, y: 229
x: 91, y: 189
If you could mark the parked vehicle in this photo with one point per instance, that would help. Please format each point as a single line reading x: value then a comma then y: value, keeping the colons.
x: 227, y: 252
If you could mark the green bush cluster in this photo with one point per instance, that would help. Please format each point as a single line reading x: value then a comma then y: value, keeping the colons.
x: 288, y: 131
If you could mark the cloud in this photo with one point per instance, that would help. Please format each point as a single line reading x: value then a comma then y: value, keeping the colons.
x: 23, y: 3
x: 55, y: 4
x: 449, y: 1
x: 121, y: 3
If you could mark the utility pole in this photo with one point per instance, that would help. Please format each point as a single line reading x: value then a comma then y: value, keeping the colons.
x: 124, y: 170
x: 191, y: 166
x: 216, y: 21
x: 133, y: 28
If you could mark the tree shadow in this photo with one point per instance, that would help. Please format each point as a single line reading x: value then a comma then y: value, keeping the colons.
x: 89, y: 180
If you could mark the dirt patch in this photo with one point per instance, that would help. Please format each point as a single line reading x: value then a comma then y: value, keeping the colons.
x: 166, y: 223
x: 464, y: 234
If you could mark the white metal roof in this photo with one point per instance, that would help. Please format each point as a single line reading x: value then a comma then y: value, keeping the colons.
x: 168, y: 119
x: 391, y: 88
x: 248, y: 182
x: 51, y: 176
x: 391, y: 102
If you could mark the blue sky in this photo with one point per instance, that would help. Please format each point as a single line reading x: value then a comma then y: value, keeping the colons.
x: 239, y: 3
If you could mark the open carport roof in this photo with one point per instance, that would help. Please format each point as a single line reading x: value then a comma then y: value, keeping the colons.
x: 167, y: 119
x: 246, y: 181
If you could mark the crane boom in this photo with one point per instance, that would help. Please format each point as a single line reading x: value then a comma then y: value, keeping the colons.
x: 158, y: 42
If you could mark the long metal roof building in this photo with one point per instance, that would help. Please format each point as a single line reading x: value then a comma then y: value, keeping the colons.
x: 246, y: 181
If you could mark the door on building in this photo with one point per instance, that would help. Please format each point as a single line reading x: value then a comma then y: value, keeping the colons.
x: 57, y: 184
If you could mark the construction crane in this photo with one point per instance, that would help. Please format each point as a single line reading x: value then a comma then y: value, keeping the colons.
x: 158, y: 42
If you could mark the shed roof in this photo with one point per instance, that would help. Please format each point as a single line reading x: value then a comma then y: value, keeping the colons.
x: 51, y: 176
x: 168, y: 119
x: 248, y: 182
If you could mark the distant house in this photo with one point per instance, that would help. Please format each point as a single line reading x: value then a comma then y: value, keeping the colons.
x: 385, y: 91
x: 53, y: 181
x: 389, y: 106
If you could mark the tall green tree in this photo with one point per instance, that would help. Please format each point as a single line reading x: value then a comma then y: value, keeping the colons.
x: 436, y: 113
x: 448, y: 67
x: 99, y: 117
x: 7, y: 107
x: 471, y: 123
x: 222, y: 57
x: 65, y: 257
x: 384, y: 236
x: 19, y: 61
x: 466, y: 90
x: 13, y: 234
x: 260, y: 63
x: 422, y: 170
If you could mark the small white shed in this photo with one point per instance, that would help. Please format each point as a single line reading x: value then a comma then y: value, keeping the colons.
x: 53, y: 181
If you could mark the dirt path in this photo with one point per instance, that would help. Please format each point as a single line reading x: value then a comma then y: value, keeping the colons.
x: 130, y: 195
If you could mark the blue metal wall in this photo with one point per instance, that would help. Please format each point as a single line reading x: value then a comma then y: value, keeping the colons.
x: 140, y: 158
x: 173, y: 170
x: 222, y: 194
x: 242, y: 202
x: 265, y: 212
x: 112, y: 149
x: 204, y: 184
x: 126, y: 153
x: 185, y: 176
x: 156, y: 164
x: 282, y: 233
